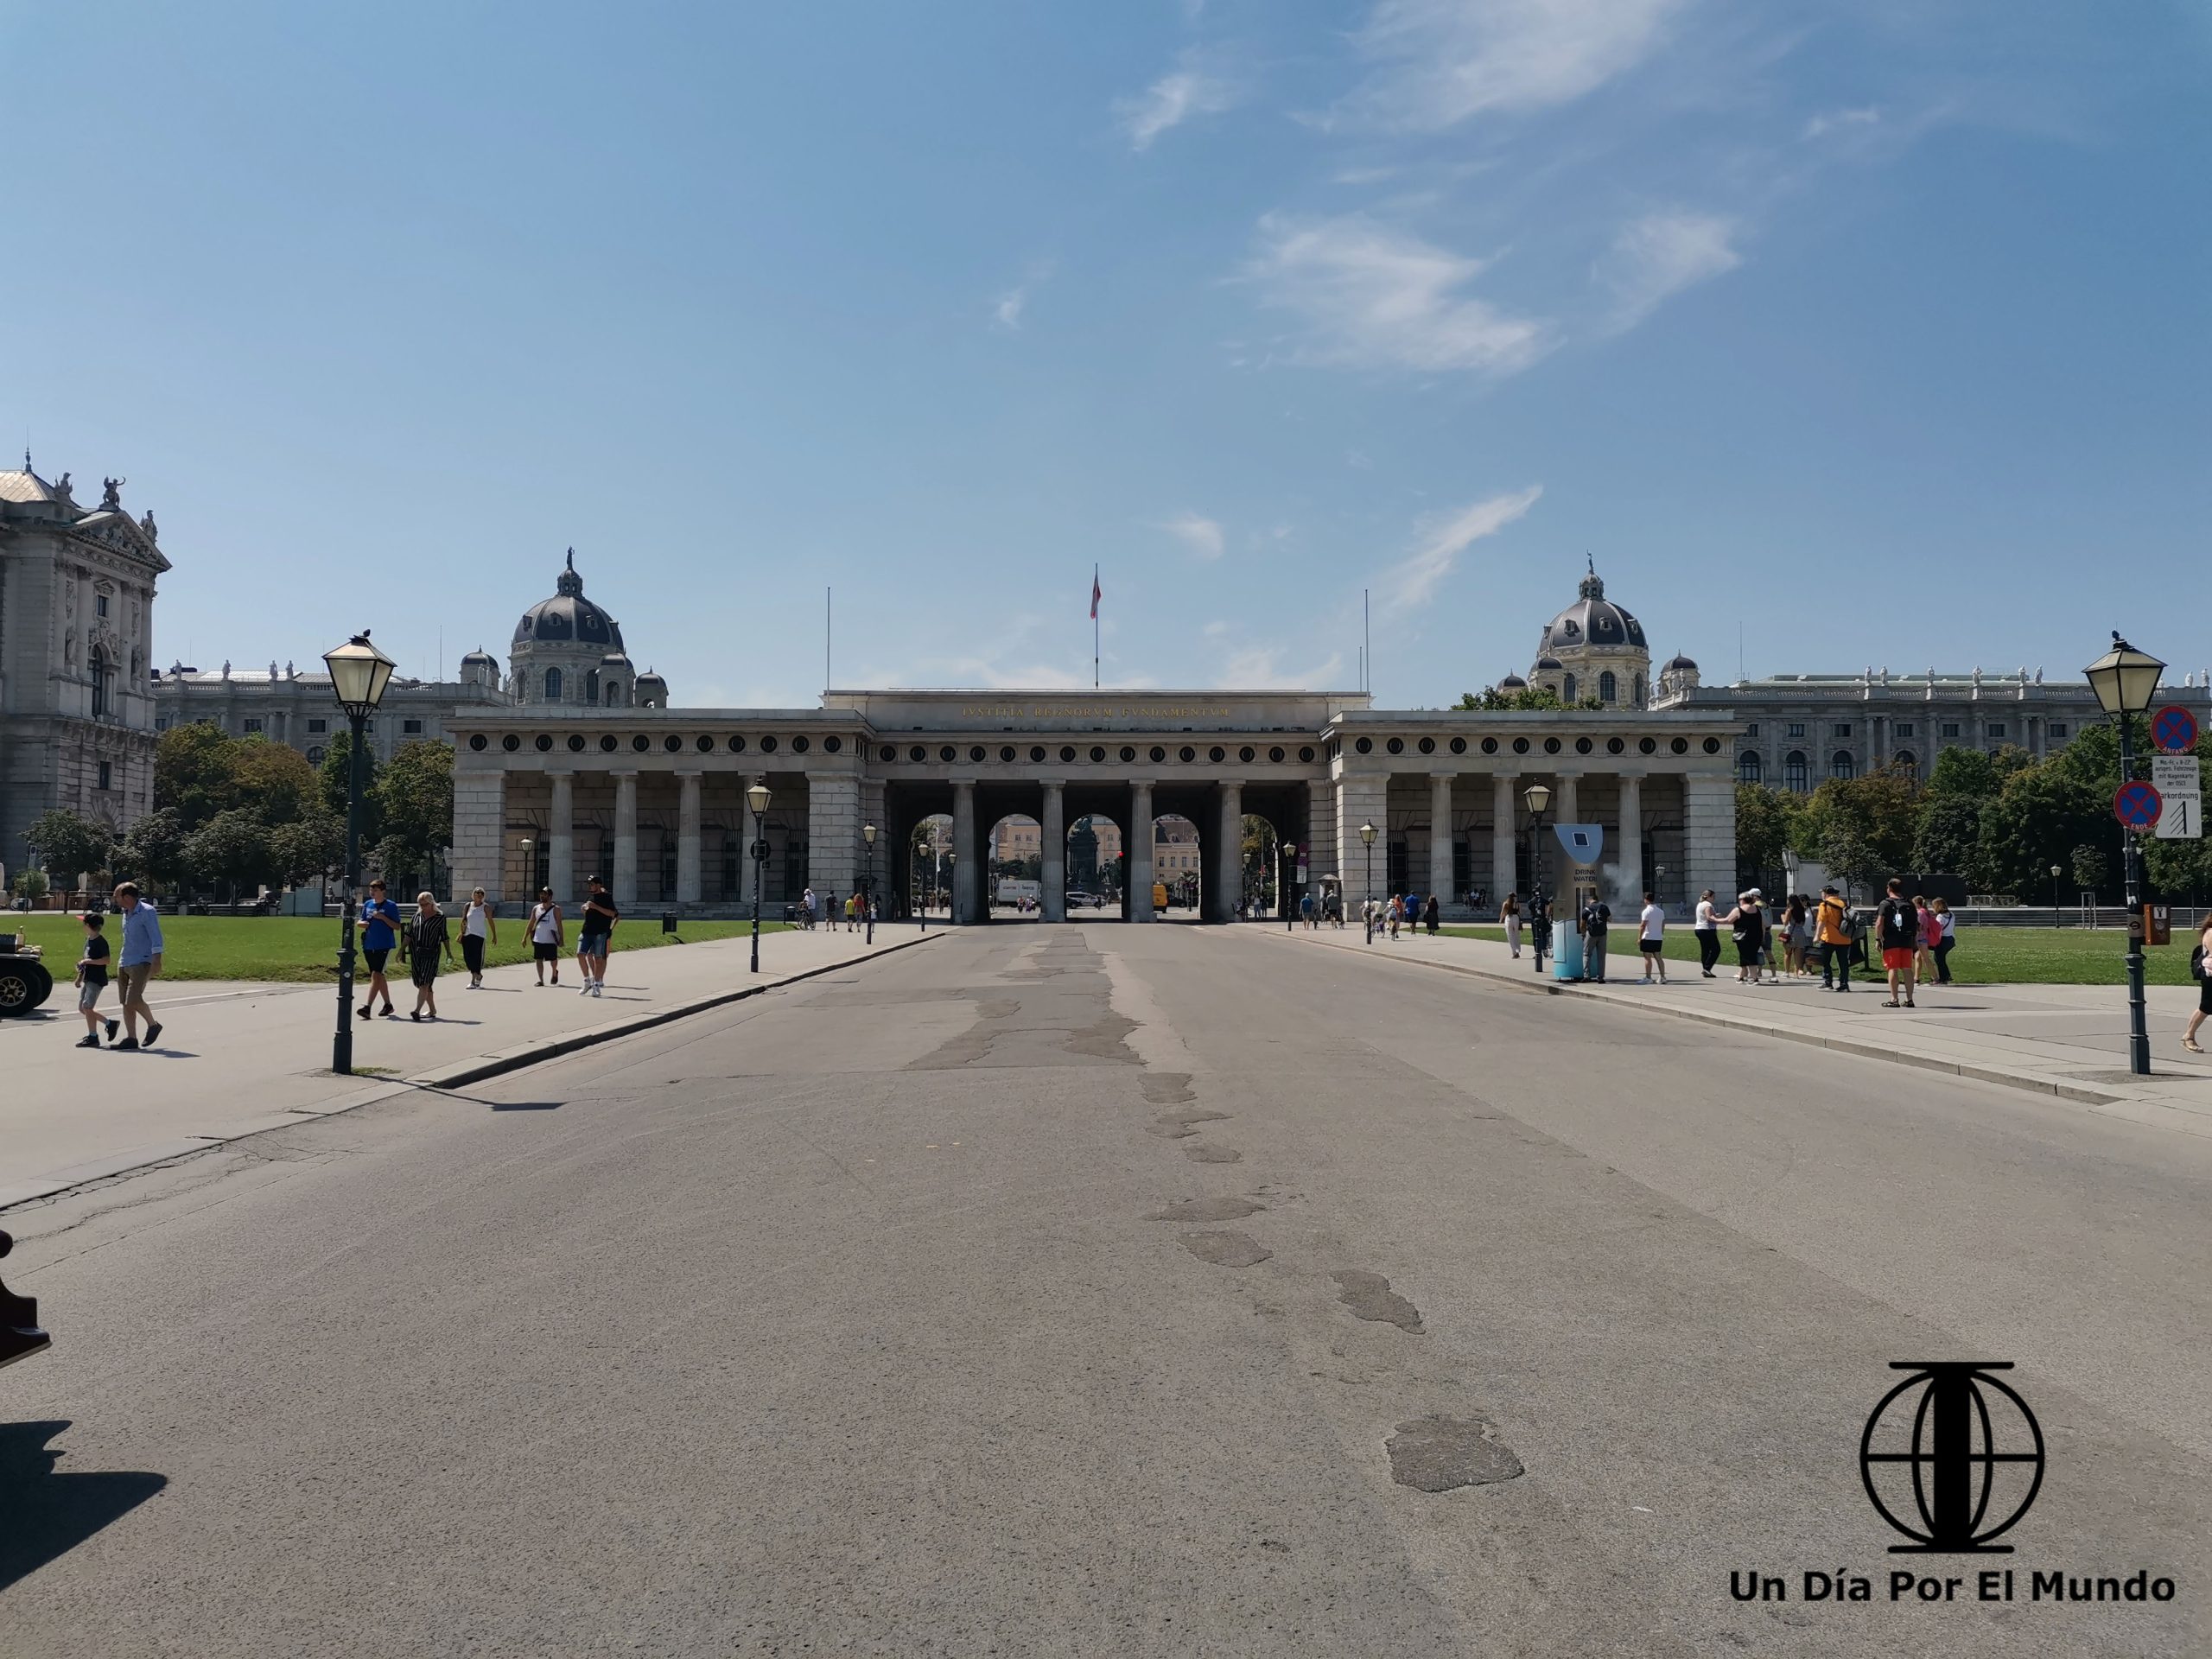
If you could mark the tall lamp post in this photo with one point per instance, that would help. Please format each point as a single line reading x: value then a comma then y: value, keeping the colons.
x: 359, y: 674
x: 1367, y: 887
x: 1282, y: 887
x: 1537, y: 797
x: 2125, y: 680
x: 2056, y: 872
x: 868, y: 886
x: 757, y: 799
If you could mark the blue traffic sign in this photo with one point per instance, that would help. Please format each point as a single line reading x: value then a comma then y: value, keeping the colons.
x: 2137, y: 806
x: 2173, y: 728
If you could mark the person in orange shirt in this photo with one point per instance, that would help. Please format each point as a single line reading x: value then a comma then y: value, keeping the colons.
x: 1832, y: 932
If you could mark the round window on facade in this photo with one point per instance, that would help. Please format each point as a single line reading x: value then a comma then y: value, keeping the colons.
x: 833, y: 744
x: 1036, y: 752
x: 479, y: 742
x: 511, y: 742
x: 1680, y: 746
x: 1459, y: 745
x: 576, y: 741
x: 1067, y: 753
x: 768, y: 744
x: 1489, y: 746
x: 640, y: 743
x: 1275, y: 753
x: 1129, y: 754
x: 1246, y: 753
x: 948, y: 752
x: 1583, y: 745
x: 737, y: 743
x: 1365, y: 746
x: 1306, y: 754
x: 1428, y: 746
x: 889, y: 753
x: 1614, y: 745
x: 977, y: 752
x: 606, y: 743
x: 1551, y: 746
x: 672, y: 743
x: 1646, y: 746
x: 1396, y: 745
x: 1520, y: 745
x: 1712, y: 745
x: 545, y: 741
x: 1006, y: 752
x: 1097, y: 752
x: 705, y: 745
x: 918, y: 753
x: 800, y: 745
x: 1216, y: 755
x: 1186, y: 755
x: 1159, y: 755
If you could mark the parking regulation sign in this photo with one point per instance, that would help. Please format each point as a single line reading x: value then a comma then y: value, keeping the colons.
x: 2173, y: 728
x: 2137, y: 805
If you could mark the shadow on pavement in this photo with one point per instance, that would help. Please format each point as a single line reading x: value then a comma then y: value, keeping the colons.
x: 527, y: 1105
x: 48, y: 1515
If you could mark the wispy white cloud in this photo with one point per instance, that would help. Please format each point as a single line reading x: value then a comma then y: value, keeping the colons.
x: 1007, y: 308
x: 1373, y: 298
x: 1439, y: 544
x: 1842, y: 121
x: 1659, y: 255
x: 1203, y: 536
x: 1440, y: 61
x: 1192, y: 88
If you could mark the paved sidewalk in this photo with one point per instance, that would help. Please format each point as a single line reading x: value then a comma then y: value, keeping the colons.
x: 235, y: 1058
x: 2068, y: 1041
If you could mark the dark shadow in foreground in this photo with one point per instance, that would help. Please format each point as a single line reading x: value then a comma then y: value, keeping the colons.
x: 48, y: 1515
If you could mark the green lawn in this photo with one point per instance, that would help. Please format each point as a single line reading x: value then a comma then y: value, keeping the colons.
x: 303, y: 949
x: 1987, y: 955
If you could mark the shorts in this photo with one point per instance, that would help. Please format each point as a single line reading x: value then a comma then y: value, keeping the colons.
x: 376, y: 958
x: 88, y: 994
x: 591, y: 944
x: 1897, y: 958
x: 1651, y: 947
x: 130, y: 982
x: 545, y: 951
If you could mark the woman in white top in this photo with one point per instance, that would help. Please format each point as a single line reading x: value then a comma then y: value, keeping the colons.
x: 476, y: 928
x: 545, y: 930
x: 1708, y: 928
x: 1510, y: 913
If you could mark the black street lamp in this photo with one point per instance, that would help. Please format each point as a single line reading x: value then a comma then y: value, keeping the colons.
x: 757, y: 799
x: 1367, y: 887
x: 1282, y: 887
x: 359, y: 674
x: 2125, y: 680
x: 2054, y: 874
x: 867, y: 887
x: 1538, y: 799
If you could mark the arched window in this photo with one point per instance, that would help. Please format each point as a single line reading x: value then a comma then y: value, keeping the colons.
x: 1796, y: 772
x: 552, y: 685
x: 97, y: 663
x: 591, y: 686
x: 1907, y: 763
x: 1840, y: 765
x: 1748, y: 769
x: 1639, y: 690
x: 1567, y: 695
x: 1609, y: 689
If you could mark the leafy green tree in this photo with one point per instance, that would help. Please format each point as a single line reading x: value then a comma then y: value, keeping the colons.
x: 332, y: 781
x: 229, y: 850
x: 415, y: 806
x: 32, y: 885
x: 2037, y: 820
x: 1947, y: 834
x: 153, y: 850
x: 195, y: 772
x: 1868, y: 821
x: 1765, y: 821
x: 1971, y: 774
x: 2089, y: 867
x: 70, y: 844
x: 1520, y: 698
x: 272, y: 780
x: 307, y: 849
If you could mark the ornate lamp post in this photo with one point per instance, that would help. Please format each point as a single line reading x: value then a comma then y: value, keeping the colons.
x: 2125, y: 680
x: 1367, y: 887
x: 359, y: 674
x: 1537, y: 797
x: 757, y: 799
x: 1282, y: 887
x: 2056, y: 872
x: 868, y: 886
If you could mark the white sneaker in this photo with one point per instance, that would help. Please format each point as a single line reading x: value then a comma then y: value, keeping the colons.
x: 594, y: 987
x: 586, y: 991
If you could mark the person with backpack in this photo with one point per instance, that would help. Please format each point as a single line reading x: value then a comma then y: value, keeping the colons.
x: 546, y: 928
x: 1896, y: 925
x: 2197, y: 971
x: 1832, y: 937
x: 1596, y: 920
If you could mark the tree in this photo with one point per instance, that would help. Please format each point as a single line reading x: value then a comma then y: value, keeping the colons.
x: 153, y: 850
x: 1520, y: 698
x: 32, y: 885
x: 69, y: 844
x: 2037, y: 820
x: 274, y: 781
x: 231, y: 850
x: 1947, y: 835
x: 307, y: 850
x: 1765, y: 821
x: 415, y: 806
x: 1969, y: 774
x: 2088, y: 865
x: 331, y: 782
x: 195, y: 772
x: 1867, y: 820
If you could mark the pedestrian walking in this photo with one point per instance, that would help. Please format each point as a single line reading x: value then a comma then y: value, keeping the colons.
x: 1946, y: 935
x: 1428, y: 915
x: 1930, y: 930
x: 1797, y: 934
x: 141, y: 962
x: 1897, y: 928
x: 805, y: 908
x: 600, y: 915
x: 380, y: 923
x: 1831, y: 927
x: 1305, y: 910
x: 477, y: 929
x: 1706, y: 927
x: 1397, y: 912
x: 2201, y: 971
x: 1747, y: 930
x: 1651, y: 938
x: 853, y: 911
x: 92, y: 978
x: 427, y: 939
x: 1594, y: 923
x: 546, y: 928
x: 1508, y: 915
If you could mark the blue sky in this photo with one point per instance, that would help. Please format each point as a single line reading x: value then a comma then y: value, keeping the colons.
x: 1879, y: 331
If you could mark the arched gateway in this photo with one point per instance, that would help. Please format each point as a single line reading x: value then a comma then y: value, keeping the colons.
x: 574, y: 791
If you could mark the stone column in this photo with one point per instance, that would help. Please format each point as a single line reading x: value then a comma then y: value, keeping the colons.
x: 1709, y: 834
x: 1136, y: 841
x: 478, y: 833
x: 1630, y: 862
x: 1052, y: 850
x: 1363, y: 798
x: 625, y: 840
x: 1439, y: 838
x: 561, y: 840
x: 687, y: 839
x: 832, y: 837
x: 1504, y: 837
x: 966, y: 876
x: 1322, y: 857
x: 1225, y: 881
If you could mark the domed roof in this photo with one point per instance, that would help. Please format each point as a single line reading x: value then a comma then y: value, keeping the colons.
x: 481, y: 657
x: 614, y: 659
x: 650, y: 678
x: 1545, y: 662
x: 568, y: 617
x: 1592, y: 619
x: 1513, y: 683
x: 1679, y: 661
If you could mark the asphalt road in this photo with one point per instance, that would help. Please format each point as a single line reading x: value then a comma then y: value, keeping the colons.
x: 1106, y: 1290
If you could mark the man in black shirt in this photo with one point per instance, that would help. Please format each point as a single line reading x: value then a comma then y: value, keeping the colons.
x: 1597, y: 918
x: 1898, y: 927
x: 600, y: 917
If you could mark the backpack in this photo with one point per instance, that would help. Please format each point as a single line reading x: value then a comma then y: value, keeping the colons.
x: 2196, y: 963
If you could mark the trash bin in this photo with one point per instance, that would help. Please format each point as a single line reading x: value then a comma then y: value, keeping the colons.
x: 791, y: 912
x: 668, y: 921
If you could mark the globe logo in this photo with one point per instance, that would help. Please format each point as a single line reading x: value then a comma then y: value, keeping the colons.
x: 1967, y: 1474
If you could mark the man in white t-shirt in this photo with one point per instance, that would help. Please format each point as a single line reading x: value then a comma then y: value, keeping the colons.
x: 1651, y: 938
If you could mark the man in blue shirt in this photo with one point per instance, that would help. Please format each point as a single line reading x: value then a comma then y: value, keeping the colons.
x: 141, y: 960
x: 379, y: 933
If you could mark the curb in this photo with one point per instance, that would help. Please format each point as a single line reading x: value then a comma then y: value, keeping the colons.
x: 2025, y: 1080
x: 456, y: 1075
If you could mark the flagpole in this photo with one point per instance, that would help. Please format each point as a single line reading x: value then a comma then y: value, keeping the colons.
x: 1094, y: 628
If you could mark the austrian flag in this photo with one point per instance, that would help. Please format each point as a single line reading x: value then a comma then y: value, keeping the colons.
x: 1094, y: 595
